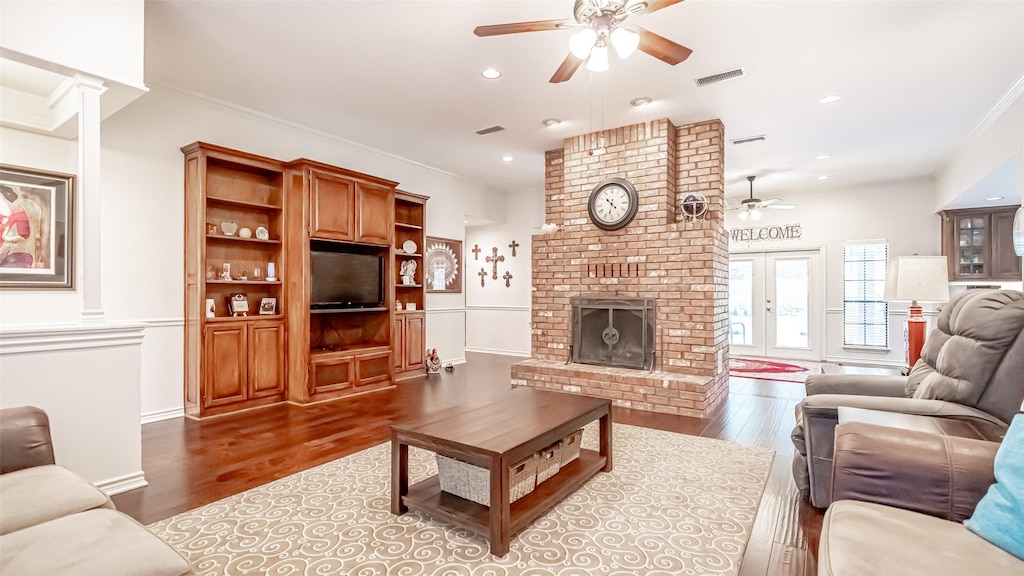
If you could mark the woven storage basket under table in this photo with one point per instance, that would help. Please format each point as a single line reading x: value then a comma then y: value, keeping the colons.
x: 549, y: 461
x: 570, y: 446
x: 474, y: 483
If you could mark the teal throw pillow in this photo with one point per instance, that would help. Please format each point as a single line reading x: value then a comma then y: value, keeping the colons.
x: 999, y: 517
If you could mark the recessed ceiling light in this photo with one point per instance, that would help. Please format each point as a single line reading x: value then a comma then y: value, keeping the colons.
x: 549, y: 122
x: 491, y: 73
x: 642, y: 101
x: 506, y: 158
x: 993, y: 198
x: 822, y: 177
x: 822, y: 157
x: 829, y: 99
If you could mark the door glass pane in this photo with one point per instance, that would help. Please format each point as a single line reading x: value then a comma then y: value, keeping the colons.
x: 792, y: 287
x: 741, y: 302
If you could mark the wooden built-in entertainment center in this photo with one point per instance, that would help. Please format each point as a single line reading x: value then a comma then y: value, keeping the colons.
x: 244, y: 212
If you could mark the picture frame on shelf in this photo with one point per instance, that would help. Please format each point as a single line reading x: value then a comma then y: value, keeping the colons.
x: 268, y: 306
x: 37, y: 239
x: 442, y: 265
x: 238, y: 304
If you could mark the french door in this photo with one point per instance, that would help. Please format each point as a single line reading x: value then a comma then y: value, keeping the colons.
x: 775, y: 304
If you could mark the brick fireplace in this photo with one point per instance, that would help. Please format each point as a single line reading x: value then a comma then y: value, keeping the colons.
x: 680, y: 267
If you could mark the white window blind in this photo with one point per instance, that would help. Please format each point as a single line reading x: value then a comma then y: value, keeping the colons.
x: 865, y: 314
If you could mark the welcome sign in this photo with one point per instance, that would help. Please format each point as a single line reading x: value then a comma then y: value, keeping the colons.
x: 762, y: 233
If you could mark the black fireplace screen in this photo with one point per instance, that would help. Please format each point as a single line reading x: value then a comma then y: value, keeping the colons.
x: 609, y: 332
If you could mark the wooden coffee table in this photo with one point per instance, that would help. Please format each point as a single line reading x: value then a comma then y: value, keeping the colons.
x: 494, y: 435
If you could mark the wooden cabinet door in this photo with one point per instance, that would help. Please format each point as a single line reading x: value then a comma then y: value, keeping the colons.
x: 1004, y: 264
x: 373, y: 368
x: 398, y: 339
x: 415, y: 336
x: 376, y: 208
x: 226, y: 372
x: 330, y: 374
x: 332, y: 207
x: 266, y: 359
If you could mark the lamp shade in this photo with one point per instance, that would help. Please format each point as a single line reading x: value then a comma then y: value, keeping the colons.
x: 917, y: 278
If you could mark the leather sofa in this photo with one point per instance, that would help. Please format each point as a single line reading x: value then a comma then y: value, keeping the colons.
x: 968, y: 381
x: 901, y: 495
x: 55, y: 523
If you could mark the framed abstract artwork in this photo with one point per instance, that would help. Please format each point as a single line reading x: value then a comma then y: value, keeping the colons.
x: 443, y: 260
x: 37, y: 233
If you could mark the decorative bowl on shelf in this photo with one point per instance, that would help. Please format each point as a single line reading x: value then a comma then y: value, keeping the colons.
x: 409, y: 246
x: 245, y: 233
x: 228, y: 228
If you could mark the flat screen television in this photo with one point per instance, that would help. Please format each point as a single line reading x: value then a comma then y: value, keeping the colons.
x: 343, y: 280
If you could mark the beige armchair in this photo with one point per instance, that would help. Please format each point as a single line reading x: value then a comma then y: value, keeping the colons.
x: 971, y: 371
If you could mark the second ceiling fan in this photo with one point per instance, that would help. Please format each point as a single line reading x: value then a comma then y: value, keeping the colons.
x: 602, y: 23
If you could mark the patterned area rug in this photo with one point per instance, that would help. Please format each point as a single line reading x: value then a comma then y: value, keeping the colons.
x: 674, y: 504
x: 761, y: 369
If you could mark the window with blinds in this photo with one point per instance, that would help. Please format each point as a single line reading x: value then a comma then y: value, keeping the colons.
x: 865, y: 314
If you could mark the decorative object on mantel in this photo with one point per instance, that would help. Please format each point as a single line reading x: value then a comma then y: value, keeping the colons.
x: 493, y: 261
x: 550, y: 228
x: 513, y: 246
x: 476, y: 251
x: 37, y: 240
x: 913, y: 279
x: 443, y: 261
x: 432, y: 361
x: 694, y: 206
x: 507, y: 277
x: 482, y: 274
x: 408, y: 273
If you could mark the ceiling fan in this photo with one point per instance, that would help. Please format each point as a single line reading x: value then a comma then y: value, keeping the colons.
x: 602, y: 22
x: 751, y: 207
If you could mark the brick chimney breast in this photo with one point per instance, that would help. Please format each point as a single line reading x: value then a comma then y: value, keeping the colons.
x: 683, y: 265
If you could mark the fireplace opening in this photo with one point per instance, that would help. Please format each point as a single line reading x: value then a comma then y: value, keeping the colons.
x: 613, y: 332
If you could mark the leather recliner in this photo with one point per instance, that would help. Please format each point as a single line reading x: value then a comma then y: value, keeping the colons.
x: 971, y: 371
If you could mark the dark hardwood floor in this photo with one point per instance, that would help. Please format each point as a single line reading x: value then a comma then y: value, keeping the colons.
x: 191, y: 463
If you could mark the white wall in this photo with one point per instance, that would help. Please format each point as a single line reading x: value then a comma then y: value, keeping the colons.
x: 498, y: 317
x: 103, y: 38
x: 896, y: 212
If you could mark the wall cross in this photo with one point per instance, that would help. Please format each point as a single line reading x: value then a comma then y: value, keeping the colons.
x: 476, y: 251
x: 513, y: 246
x: 507, y: 277
x: 493, y: 261
x: 482, y: 274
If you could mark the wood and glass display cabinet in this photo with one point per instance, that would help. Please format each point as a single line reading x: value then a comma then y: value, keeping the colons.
x: 978, y: 244
x: 234, y: 298
x: 409, y: 332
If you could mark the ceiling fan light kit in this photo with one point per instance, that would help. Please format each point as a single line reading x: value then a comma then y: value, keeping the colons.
x: 601, y: 23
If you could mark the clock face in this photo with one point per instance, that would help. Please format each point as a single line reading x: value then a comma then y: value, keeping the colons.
x: 613, y: 204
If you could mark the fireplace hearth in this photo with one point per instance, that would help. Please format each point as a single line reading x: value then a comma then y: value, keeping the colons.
x: 613, y: 332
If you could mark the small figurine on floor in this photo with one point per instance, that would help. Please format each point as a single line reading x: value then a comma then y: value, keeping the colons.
x: 432, y: 361
x: 449, y: 368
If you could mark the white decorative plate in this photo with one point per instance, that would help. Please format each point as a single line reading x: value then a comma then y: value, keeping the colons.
x: 409, y: 246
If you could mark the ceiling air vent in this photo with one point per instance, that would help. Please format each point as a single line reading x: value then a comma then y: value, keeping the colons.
x: 490, y: 130
x: 727, y: 75
x: 749, y: 139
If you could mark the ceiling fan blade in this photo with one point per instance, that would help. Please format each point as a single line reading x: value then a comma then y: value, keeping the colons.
x: 567, y: 69
x: 769, y: 201
x: 781, y: 206
x: 655, y: 5
x: 662, y: 48
x: 517, y: 27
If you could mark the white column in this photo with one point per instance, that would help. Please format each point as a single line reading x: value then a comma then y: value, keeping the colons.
x: 88, y: 91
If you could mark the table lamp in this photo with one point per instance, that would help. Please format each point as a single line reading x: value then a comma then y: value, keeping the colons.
x: 916, y: 279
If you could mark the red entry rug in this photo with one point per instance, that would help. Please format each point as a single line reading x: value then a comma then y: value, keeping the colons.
x: 761, y: 369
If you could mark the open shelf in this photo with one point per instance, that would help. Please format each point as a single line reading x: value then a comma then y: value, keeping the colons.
x: 426, y: 496
x: 222, y: 237
x: 228, y: 202
x: 408, y: 226
x: 242, y: 282
x: 250, y: 318
x: 347, y: 310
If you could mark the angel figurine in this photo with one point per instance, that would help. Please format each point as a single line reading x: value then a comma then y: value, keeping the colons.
x: 408, y: 272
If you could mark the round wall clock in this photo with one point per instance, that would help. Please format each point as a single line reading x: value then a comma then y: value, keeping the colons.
x: 613, y: 204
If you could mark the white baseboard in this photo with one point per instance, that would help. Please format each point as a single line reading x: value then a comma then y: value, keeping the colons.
x: 123, y: 484
x: 516, y: 353
x: 163, y: 415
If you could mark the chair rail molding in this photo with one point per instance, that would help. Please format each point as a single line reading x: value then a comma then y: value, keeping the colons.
x: 28, y: 339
